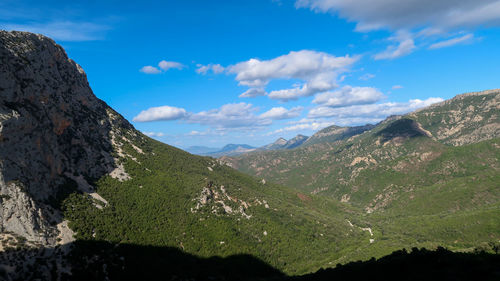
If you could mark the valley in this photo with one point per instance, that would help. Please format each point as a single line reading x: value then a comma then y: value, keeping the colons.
x: 82, y: 190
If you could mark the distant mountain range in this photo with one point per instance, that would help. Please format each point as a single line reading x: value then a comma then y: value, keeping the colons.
x: 237, y: 149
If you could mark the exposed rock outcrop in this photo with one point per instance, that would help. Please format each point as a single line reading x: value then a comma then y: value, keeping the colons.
x: 54, y: 134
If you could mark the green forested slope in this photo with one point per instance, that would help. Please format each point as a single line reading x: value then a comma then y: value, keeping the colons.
x: 411, y: 182
x: 157, y: 207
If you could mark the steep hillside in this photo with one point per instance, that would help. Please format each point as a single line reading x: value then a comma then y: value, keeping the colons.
x: 56, y: 137
x: 336, y: 133
x: 282, y: 143
x: 465, y: 119
x: 410, y: 181
x: 71, y: 167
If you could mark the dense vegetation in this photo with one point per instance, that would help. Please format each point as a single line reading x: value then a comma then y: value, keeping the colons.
x: 408, y: 183
x: 156, y: 207
x: 356, y: 198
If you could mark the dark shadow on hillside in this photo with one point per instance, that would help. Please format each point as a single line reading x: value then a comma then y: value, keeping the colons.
x: 401, y: 129
x: 97, y: 260
x: 418, y: 265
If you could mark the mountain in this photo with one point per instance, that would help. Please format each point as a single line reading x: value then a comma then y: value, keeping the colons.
x: 201, y: 150
x: 73, y: 168
x: 282, y: 143
x: 426, y: 174
x: 56, y: 136
x: 278, y: 144
x: 85, y: 196
x: 230, y: 150
x: 238, y: 149
x: 296, y: 141
x: 336, y: 133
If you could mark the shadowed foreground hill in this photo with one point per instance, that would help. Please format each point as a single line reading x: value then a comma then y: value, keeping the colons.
x: 73, y: 168
x: 98, y: 260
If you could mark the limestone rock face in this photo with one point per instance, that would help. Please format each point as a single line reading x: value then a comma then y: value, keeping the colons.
x: 54, y: 134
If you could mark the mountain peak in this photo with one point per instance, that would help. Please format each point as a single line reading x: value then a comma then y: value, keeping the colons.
x: 280, y: 141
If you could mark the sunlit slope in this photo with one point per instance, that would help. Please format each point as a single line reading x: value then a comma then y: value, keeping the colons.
x: 414, y: 182
x: 173, y: 198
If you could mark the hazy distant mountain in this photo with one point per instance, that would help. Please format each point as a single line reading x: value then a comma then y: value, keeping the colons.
x: 201, y: 150
x: 230, y: 150
x: 282, y: 143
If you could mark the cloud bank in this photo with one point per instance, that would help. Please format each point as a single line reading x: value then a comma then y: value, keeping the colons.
x: 229, y: 116
x: 318, y: 70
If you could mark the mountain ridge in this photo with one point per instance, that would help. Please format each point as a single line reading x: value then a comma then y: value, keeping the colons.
x: 73, y: 168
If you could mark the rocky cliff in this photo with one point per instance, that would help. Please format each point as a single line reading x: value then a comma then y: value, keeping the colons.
x: 56, y: 136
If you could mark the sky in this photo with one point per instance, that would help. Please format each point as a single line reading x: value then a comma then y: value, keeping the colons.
x: 209, y: 73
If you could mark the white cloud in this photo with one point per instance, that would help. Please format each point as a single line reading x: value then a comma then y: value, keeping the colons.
x: 161, y: 113
x: 397, y: 87
x: 451, y: 42
x: 253, y: 92
x: 404, y: 46
x: 208, y: 132
x: 204, y: 69
x: 396, y: 15
x: 148, y: 69
x: 373, y: 111
x: 277, y: 113
x: 63, y: 30
x: 166, y: 65
x: 424, y: 18
x: 349, y: 96
x: 229, y: 116
x: 198, y: 133
x: 162, y: 66
x: 154, y: 134
x: 367, y: 77
x: 319, y: 71
x: 234, y: 115
x: 313, y: 126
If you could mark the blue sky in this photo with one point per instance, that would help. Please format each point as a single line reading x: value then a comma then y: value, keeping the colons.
x: 216, y: 72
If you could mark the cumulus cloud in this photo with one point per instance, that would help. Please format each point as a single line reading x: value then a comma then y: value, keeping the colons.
x: 373, y: 111
x: 318, y: 70
x: 397, y: 87
x: 160, y: 113
x: 349, y: 96
x: 367, y: 77
x: 154, y: 134
x: 162, y: 66
x: 148, y: 69
x: 204, y: 69
x: 451, y: 42
x: 277, y: 113
x: 422, y: 18
x: 229, y: 116
x: 308, y: 125
x: 404, y: 46
x: 166, y: 65
x: 253, y: 92
x: 396, y: 15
